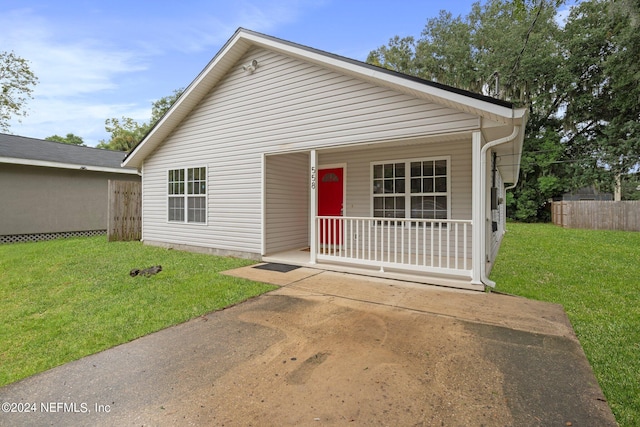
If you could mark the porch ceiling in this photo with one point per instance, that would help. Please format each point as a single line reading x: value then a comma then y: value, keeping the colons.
x: 428, y: 139
x: 508, y: 154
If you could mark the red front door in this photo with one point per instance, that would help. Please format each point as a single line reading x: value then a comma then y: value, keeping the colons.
x: 330, y: 203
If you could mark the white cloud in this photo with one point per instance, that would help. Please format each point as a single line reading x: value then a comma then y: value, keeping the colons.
x: 215, y: 23
x: 563, y: 14
x: 64, y: 68
x: 72, y: 76
x: 99, y: 64
x: 59, y: 116
x: 79, y: 69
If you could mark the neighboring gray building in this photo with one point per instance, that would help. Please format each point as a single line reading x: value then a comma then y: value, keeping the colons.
x: 585, y: 193
x: 49, y: 189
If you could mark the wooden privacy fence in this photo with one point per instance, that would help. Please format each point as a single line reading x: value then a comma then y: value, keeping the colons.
x: 597, y: 215
x: 125, y: 211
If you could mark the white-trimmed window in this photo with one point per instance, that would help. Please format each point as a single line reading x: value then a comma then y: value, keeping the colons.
x: 187, y: 195
x: 416, y: 188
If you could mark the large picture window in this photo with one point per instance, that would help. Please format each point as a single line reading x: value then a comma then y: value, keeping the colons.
x: 417, y: 188
x: 187, y: 195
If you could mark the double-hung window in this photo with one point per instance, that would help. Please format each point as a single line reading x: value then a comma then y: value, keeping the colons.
x: 187, y: 195
x: 389, y: 185
x: 417, y: 188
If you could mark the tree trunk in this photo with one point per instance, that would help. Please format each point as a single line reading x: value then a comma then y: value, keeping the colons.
x: 617, y: 192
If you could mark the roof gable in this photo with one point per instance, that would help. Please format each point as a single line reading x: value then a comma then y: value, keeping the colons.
x: 489, y: 108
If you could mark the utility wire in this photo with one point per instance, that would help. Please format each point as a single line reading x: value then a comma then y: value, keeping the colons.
x: 526, y: 41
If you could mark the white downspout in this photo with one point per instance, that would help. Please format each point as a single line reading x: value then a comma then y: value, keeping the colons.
x: 483, y: 201
x: 512, y: 186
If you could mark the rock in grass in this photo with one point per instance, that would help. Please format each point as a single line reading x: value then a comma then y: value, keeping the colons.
x: 147, y: 272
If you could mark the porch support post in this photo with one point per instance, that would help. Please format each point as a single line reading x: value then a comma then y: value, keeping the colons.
x: 313, y: 205
x: 477, y: 216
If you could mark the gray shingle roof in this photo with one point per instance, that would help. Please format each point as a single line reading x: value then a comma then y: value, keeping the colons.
x: 21, y: 147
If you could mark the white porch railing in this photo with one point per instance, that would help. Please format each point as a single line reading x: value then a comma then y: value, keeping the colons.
x: 425, y: 245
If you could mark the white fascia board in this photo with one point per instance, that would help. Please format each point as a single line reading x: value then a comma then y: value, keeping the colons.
x: 183, y: 105
x: 442, y: 96
x: 48, y: 164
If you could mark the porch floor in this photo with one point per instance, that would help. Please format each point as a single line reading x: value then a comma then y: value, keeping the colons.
x: 302, y: 257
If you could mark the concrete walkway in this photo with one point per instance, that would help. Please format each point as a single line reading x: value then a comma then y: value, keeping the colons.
x: 333, y: 349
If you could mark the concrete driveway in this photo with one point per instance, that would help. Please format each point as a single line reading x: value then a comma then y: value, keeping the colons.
x: 333, y: 349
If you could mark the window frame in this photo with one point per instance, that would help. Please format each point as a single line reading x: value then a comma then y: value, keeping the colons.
x: 185, y: 192
x: 407, y: 194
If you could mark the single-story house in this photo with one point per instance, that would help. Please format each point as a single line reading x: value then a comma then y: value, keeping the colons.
x: 51, y: 190
x: 281, y: 152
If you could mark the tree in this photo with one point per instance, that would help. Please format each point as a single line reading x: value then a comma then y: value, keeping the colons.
x: 126, y: 133
x: 509, y: 50
x: 162, y: 105
x: 446, y: 53
x: 69, y: 139
x: 623, y: 133
x: 578, y: 81
x: 603, y: 113
x: 16, y: 86
x: 398, y: 56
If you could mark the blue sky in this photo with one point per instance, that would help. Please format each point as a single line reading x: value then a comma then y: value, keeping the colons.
x: 101, y: 59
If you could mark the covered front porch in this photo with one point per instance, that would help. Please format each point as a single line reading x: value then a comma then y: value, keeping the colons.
x: 434, y: 246
x: 378, y: 232
x: 399, y: 255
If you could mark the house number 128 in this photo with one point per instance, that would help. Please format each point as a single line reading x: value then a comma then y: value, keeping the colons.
x: 313, y: 177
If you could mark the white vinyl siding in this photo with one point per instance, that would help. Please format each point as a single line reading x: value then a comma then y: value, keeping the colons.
x: 287, y: 207
x: 285, y: 105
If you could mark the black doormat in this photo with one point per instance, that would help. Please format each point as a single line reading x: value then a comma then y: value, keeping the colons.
x: 281, y: 268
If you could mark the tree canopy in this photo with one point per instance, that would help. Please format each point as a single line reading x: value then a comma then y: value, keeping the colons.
x: 69, y: 139
x: 126, y: 132
x: 16, y: 87
x: 579, y: 81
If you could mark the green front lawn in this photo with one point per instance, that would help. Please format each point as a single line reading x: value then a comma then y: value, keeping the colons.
x: 65, y: 299
x: 595, y: 275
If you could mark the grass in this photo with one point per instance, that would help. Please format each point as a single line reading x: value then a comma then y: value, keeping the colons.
x: 65, y: 299
x: 595, y: 275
